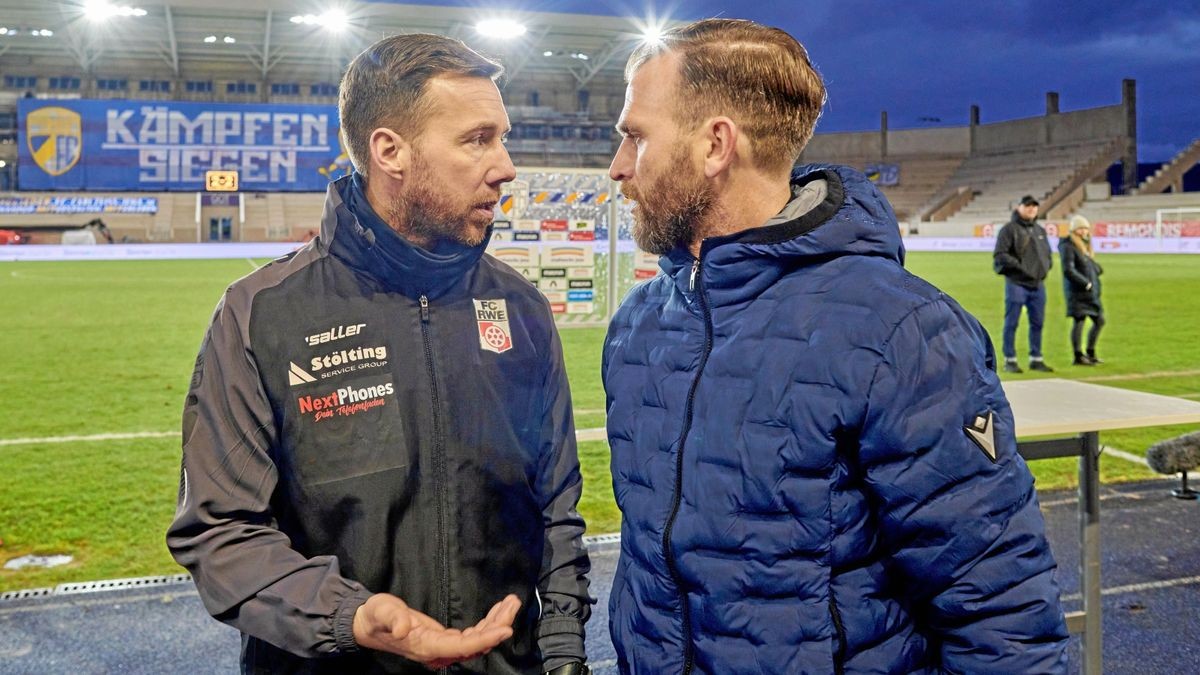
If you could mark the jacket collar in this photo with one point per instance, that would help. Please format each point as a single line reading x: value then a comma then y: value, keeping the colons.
x: 1016, y: 218
x: 363, y: 240
x: 853, y: 219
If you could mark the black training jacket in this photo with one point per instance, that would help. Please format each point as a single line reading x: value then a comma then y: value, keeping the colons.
x: 1022, y: 252
x: 358, y: 423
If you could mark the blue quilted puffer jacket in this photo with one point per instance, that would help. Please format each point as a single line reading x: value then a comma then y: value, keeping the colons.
x: 816, y: 464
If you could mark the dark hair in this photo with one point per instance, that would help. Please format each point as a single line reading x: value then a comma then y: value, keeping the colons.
x: 758, y: 75
x: 385, y: 85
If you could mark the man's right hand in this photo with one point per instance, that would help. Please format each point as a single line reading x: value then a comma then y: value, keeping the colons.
x: 385, y: 623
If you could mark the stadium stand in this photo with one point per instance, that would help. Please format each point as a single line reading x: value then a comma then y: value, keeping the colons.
x: 1170, y: 176
x: 1137, y: 208
x: 564, y: 89
x: 999, y: 178
x: 564, y: 75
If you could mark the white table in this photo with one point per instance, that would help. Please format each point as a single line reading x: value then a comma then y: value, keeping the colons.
x: 1055, y: 407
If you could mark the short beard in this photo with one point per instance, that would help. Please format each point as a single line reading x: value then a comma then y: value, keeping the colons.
x: 420, y: 215
x: 672, y: 215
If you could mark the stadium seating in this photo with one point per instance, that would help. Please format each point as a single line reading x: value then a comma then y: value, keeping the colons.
x: 1139, y: 207
x: 920, y: 177
x: 999, y: 178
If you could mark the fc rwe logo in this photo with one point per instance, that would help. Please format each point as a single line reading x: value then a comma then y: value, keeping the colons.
x: 492, y: 319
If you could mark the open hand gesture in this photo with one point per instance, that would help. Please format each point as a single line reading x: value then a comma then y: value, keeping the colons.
x: 385, y: 623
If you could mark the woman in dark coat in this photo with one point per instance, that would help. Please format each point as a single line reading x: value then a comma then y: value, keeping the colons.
x: 1081, y: 285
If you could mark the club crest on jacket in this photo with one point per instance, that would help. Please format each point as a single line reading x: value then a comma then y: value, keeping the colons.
x: 492, y: 318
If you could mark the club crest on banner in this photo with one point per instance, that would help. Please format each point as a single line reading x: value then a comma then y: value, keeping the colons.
x: 514, y: 198
x: 55, y: 138
x: 492, y: 319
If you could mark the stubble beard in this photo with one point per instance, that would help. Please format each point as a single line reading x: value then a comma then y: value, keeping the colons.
x: 671, y: 208
x: 424, y: 216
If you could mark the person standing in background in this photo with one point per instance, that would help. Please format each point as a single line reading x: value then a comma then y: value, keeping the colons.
x: 1081, y: 286
x: 1023, y: 256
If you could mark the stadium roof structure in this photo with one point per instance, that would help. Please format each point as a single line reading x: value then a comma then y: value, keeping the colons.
x: 280, y: 38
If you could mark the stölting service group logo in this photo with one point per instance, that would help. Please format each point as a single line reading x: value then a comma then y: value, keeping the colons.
x: 55, y: 138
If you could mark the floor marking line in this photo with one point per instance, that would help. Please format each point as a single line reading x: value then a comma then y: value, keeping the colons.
x: 1143, y: 586
x: 1139, y: 376
x: 88, y: 438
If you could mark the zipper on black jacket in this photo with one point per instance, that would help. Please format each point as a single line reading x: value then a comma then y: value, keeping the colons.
x: 439, y: 467
x: 839, y: 654
x: 668, y: 554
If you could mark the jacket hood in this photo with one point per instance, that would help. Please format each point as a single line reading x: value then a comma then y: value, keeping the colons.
x: 360, y: 237
x: 853, y: 219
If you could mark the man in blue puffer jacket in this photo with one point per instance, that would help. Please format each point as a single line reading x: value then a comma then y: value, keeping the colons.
x: 811, y: 450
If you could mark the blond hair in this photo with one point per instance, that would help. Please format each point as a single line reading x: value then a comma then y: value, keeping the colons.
x: 759, y: 76
x: 1078, y: 222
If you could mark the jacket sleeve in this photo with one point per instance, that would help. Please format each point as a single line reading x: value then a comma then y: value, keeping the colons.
x: 963, y: 530
x: 563, y: 586
x: 1003, y: 258
x: 1068, y: 267
x: 224, y: 533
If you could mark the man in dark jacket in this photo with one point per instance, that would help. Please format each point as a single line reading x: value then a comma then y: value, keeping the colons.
x: 1023, y: 256
x: 379, y: 464
x: 814, y: 460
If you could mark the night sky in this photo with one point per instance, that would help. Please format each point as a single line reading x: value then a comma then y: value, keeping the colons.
x: 927, y: 62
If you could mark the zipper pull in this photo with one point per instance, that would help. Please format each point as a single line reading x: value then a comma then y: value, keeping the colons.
x: 695, y: 271
x: 424, y: 309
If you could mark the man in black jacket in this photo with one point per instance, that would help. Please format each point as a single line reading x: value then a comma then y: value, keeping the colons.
x: 379, y: 464
x: 1023, y: 256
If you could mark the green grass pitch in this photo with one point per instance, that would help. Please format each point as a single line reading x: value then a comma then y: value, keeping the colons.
x: 94, y: 348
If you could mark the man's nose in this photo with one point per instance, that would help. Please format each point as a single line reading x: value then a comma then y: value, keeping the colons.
x: 622, y: 162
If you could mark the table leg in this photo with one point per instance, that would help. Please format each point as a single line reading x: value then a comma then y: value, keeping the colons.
x: 1089, y: 560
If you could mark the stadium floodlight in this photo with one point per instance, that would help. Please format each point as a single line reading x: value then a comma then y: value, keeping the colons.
x: 651, y: 29
x: 334, y: 20
x: 3, y: 164
x: 579, y: 55
x: 41, y: 32
x: 102, y: 10
x: 652, y: 35
x: 210, y: 39
x: 229, y: 40
x: 504, y: 29
x: 547, y: 53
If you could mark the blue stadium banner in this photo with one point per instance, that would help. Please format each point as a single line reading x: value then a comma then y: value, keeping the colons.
x: 168, y: 145
x: 78, y: 205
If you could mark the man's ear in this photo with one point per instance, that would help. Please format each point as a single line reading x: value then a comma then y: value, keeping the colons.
x: 391, y: 153
x: 721, y: 136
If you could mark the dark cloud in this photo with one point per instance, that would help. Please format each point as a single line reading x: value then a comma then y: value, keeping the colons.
x: 935, y: 59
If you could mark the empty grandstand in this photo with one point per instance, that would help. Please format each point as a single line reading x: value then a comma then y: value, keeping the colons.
x: 196, y: 62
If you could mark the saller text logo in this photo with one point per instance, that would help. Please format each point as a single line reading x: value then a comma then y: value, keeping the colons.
x: 494, y: 333
x: 345, y: 401
x: 335, y: 333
